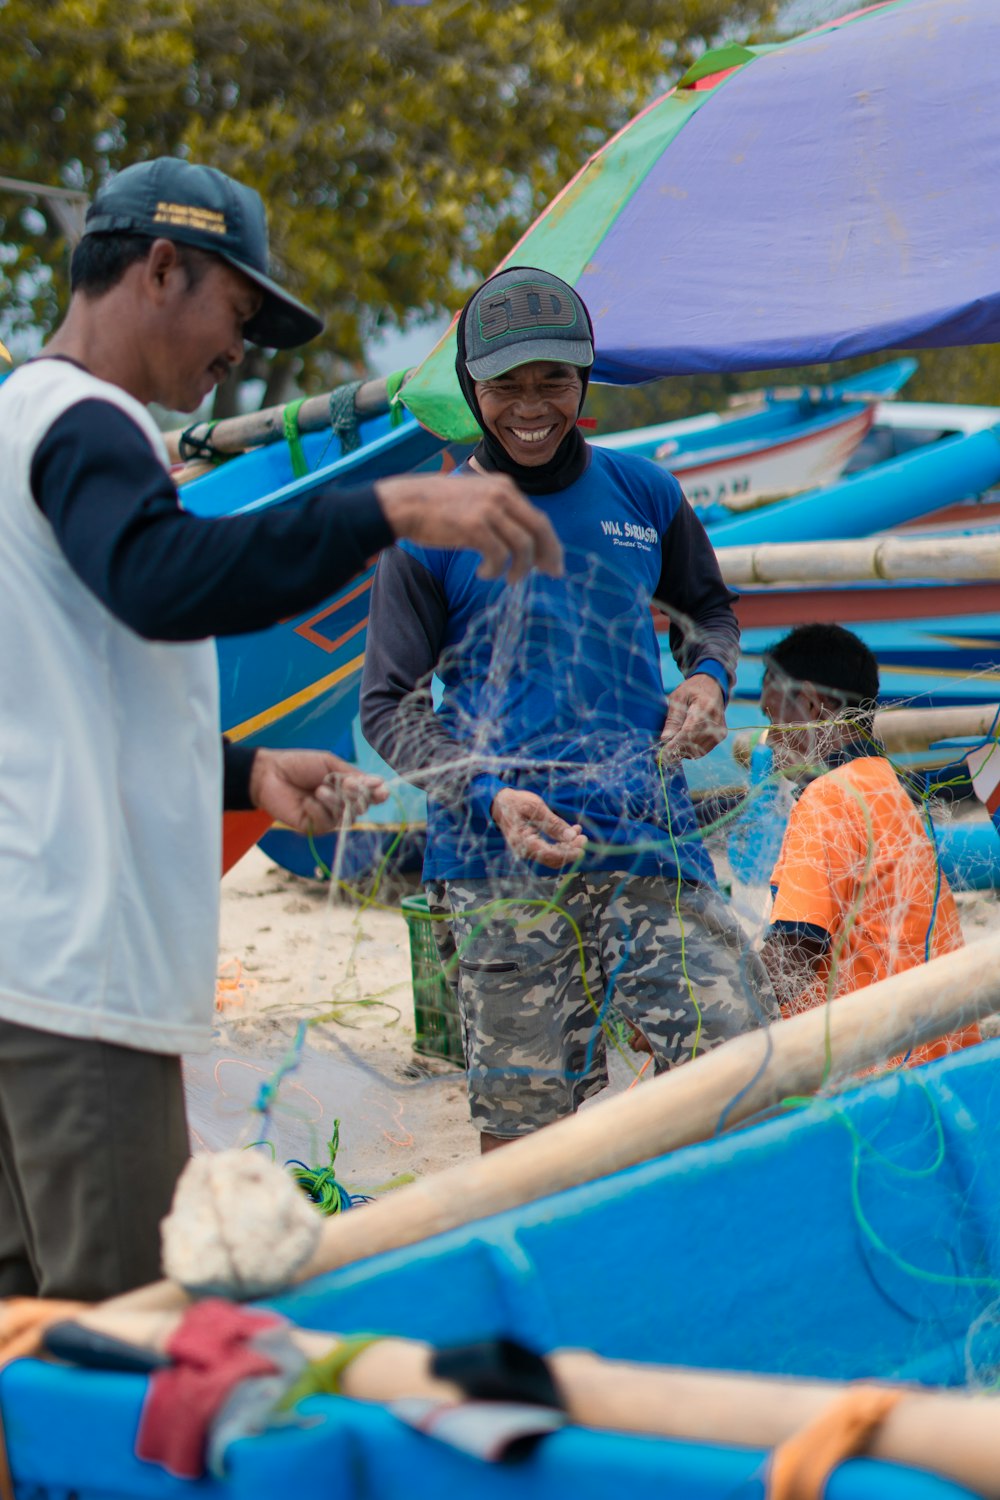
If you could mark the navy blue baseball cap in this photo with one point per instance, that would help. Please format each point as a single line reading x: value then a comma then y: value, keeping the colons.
x: 520, y: 315
x: 200, y: 206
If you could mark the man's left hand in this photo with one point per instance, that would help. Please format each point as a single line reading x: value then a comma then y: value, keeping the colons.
x: 696, y: 719
x: 312, y: 791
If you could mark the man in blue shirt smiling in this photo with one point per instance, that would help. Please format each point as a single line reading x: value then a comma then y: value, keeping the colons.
x: 562, y: 844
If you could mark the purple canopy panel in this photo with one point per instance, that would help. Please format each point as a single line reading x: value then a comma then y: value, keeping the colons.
x: 831, y: 199
x: 830, y: 196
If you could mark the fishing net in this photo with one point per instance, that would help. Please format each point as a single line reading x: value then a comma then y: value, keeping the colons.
x: 341, y: 1004
x: 339, y: 1022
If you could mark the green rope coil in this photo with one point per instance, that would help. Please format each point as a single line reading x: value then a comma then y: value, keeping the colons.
x: 320, y: 1184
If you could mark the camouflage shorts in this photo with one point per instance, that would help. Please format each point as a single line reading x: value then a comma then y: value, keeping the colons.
x: 541, y: 962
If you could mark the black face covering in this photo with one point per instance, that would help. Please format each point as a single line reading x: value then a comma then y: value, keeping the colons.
x: 566, y: 465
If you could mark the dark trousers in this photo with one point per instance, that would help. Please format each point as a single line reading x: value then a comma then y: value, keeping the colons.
x: 92, y: 1140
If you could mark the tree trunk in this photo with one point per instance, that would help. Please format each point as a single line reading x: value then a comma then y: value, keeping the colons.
x: 279, y: 380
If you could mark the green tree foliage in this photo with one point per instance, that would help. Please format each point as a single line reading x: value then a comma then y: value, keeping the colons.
x: 401, y: 148
x: 971, y: 374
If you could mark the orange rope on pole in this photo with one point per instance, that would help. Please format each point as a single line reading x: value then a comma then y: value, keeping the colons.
x: 800, y: 1466
x: 23, y: 1321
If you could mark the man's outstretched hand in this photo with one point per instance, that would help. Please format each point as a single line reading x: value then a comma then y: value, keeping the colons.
x: 312, y: 791
x: 484, y: 513
x: 696, y: 719
x: 533, y: 831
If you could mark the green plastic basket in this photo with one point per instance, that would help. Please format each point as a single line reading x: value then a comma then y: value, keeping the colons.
x: 435, y: 1006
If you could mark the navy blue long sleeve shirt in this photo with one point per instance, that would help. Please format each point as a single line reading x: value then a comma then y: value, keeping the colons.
x: 172, y: 576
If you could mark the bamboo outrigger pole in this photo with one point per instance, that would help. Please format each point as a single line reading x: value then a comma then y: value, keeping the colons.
x: 810, y: 1424
x: 964, y: 558
x: 236, y: 434
x: 719, y: 1090
x: 944, y: 1432
x: 905, y: 729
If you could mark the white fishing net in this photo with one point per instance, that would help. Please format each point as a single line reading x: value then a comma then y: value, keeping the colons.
x: 337, y: 1008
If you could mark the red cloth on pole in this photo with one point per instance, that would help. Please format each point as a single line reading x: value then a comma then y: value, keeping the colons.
x: 212, y: 1354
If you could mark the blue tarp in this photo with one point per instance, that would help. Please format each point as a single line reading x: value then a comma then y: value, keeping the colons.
x: 832, y: 197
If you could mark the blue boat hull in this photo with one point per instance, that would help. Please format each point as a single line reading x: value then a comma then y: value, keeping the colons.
x: 297, y: 683
x: 854, y: 1238
x: 877, y: 499
x: 779, y: 416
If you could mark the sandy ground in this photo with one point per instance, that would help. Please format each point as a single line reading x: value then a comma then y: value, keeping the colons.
x: 291, y: 953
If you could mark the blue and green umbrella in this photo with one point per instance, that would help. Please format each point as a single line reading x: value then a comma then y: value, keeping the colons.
x: 829, y: 196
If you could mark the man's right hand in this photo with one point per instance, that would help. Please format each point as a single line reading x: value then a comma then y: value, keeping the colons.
x: 483, y: 513
x: 533, y: 831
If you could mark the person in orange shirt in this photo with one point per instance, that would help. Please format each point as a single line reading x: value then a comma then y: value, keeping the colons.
x: 859, y: 892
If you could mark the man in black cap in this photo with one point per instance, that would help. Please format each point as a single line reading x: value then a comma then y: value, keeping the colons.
x: 111, y: 768
x: 562, y: 845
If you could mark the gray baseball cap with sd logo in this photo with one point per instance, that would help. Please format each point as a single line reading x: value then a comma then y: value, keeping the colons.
x: 200, y: 206
x: 521, y: 315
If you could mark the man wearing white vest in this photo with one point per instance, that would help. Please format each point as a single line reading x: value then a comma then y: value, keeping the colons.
x: 111, y: 764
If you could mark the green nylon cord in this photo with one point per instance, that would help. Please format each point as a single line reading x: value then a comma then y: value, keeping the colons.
x: 861, y: 1148
x: 485, y: 912
x: 290, y: 428
x: 324, y: 1376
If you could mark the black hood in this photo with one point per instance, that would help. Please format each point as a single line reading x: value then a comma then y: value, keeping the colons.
x: 570, y: 459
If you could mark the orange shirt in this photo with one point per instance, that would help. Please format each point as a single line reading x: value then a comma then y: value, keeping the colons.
x: 857, y: 861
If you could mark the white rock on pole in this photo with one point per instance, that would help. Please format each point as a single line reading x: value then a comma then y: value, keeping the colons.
x: 238, y: 1226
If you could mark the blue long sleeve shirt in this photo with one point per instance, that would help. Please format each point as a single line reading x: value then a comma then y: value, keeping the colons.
x: 554, y: 685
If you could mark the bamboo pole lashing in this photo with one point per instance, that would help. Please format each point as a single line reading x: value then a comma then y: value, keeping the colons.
x: 257, y: 428
x: 953, y: 1434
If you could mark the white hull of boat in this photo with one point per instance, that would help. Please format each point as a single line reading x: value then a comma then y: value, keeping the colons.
x: 743, y: 481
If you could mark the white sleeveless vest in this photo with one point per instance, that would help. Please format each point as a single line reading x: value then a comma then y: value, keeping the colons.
x: 110, y: 777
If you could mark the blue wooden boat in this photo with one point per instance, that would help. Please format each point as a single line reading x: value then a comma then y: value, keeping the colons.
x: 877, y: 499
x: 774, y: 443
x: 298, y: 683
x: 854, y: 1237
x: 901, y: 426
